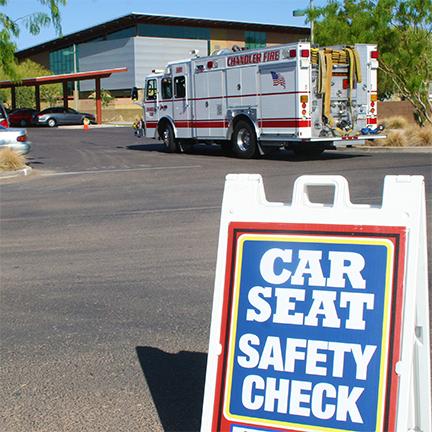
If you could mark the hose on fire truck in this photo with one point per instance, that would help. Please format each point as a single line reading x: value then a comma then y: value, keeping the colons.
x: 325, y: 59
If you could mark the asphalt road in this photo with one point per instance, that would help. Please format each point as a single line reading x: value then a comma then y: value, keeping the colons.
x: 107, y: 266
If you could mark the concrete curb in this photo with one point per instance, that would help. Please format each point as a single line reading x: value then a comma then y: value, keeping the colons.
x: 394, y: 149
x: 104, y: 125
x: 21, y: 172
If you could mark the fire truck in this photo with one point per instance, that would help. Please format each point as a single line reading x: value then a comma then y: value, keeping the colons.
x: 251, y: 102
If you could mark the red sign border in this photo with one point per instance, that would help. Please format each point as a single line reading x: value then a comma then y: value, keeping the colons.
x: 397, y: 235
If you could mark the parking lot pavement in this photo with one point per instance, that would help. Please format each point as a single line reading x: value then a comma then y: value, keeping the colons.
x: 108, y: 254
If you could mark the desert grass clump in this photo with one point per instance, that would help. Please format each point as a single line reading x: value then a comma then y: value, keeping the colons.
x: 10, y: 160
x: 420, y: 136
x: 394, y: 139
x: 396, y: 122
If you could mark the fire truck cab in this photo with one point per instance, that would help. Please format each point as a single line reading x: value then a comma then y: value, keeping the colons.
x: 252, y: 101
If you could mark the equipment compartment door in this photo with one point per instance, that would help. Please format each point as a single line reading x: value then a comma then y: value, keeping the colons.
x: 216, y: 101
x: 182, y: 108
x: 201, y: 105
x: 278, y: 94
x: 151, y: 112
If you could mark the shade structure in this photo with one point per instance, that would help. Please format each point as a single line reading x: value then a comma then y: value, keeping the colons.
x: 36, y: 82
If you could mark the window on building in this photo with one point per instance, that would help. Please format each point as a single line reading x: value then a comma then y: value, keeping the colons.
x: 181, y: 32
x: 179, y: 87
x: 151, y: 89
x: 166, y: 88
x: 121, y: 34
x: 255, y: 39
x: 62, y: 62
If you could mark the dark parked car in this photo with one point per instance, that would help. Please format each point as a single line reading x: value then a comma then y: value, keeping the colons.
x: 22, y: 117
x: 61, y: 116
x: 3, y: 116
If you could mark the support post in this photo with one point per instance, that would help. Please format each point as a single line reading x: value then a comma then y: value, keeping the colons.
x: 65, y: 95
x: 13, y: 97
x: 98, y: 101
x: 76, y: 97
x: 37, y: 98
x: 75, y: 90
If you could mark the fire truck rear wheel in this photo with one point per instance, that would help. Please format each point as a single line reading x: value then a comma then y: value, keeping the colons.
x: 244, y: 142
x: 167, y: 135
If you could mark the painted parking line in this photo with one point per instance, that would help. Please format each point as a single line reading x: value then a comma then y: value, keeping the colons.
x: 169, y: 210
x: 101, y: 171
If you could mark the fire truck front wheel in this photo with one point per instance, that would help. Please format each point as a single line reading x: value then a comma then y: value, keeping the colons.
x: 244, y: 142
x: 167, y: 134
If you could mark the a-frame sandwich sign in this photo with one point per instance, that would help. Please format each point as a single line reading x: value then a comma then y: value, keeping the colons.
x: 320, y: 315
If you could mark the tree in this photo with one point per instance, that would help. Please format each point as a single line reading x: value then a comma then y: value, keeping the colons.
x: 10, y: 29
x: 25, y: 96
x: 402, y: 29
x: 106, y: 97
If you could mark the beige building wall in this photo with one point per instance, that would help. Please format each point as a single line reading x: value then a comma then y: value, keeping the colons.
x: 283, y: 38
x: 225, y: 38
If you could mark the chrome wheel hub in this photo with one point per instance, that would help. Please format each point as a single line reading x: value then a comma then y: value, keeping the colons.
x: 243, y: 139
x: 166, y: 137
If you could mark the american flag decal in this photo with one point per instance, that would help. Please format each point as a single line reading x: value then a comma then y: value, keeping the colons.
x: 278, y: 79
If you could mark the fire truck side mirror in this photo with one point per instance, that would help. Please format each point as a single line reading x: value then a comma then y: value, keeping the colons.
x: 134, y: 94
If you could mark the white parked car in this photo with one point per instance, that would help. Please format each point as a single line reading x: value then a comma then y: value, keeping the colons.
x: 15, y: 139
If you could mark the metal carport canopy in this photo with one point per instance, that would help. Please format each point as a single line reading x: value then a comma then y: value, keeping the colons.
x: 63, y: 78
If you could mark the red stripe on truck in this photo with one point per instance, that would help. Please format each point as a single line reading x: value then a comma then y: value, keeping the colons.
x: 263, y: 123
x: 284, y: 123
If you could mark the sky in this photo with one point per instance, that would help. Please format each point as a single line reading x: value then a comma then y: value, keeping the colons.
x: 81, y: 14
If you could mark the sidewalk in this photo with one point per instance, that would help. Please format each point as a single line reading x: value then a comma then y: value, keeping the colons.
x: 99, y: 126
x: 384, y: 149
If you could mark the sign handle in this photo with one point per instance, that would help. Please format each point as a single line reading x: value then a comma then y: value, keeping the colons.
x: 341, y: 190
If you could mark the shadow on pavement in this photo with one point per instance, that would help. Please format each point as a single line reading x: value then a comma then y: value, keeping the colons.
x: 176, y: 382
x: 147, y: 147
x: 282, y: 155
x: 196, y: 150
x: 34, y: 161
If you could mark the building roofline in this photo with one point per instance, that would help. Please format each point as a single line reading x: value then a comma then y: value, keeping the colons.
x: 219, y: 21
x: 52, y: 79
x: 140, y: 18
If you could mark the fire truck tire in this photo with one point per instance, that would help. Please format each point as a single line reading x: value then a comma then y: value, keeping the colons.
x: 244, y: 142
x: 167, y: 135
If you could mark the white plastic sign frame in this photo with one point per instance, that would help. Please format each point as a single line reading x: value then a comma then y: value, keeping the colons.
x: 320, y: 315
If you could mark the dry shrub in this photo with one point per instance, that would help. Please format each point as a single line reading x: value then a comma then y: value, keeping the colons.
x: 394, y: 139
x: 396, y: 122
x: 420, y: 137
x: 410, y: 134
x: 374, y: 143
x: 10, y: 160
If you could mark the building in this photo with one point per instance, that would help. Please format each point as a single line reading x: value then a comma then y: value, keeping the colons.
x: 143, y: 42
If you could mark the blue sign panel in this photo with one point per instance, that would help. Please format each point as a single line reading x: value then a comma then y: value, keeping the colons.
x: 309, y: 331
